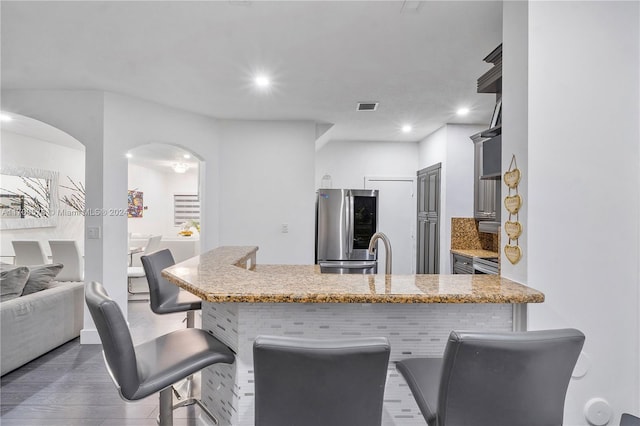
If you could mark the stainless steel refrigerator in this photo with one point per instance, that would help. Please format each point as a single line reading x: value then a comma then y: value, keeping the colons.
x: 346, y: 219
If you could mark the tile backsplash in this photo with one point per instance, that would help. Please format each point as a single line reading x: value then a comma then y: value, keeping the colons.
x: 489, y: 241
x: 465, y: 236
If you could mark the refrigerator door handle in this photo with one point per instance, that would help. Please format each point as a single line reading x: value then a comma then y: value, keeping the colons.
x: 344, y: 246
x: 351, y: 224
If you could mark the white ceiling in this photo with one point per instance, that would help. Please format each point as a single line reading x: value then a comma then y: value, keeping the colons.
x: 324, y: 57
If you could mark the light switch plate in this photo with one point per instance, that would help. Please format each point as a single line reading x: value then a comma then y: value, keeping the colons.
x: 93, y: 232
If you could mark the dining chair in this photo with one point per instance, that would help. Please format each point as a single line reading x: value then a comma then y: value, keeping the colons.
x: 154, y: 366
x: 153, y: 243
x: 28, y: 253
x: 496, y: 379
x: 67, y: 253
x: 319, y: 382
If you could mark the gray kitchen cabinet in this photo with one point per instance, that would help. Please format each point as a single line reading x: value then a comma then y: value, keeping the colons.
x: 462, y: 264
x: 428, y: 235
x: 429, y: 191
x: 422, y: 193
x: 486, y: 199
x: 428, y: 246
x: 488, y: 147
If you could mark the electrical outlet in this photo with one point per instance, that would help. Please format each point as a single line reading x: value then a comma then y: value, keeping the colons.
x: 285, y: 228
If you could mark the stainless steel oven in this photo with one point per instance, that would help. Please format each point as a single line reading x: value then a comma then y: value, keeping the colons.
x: 485, y: 266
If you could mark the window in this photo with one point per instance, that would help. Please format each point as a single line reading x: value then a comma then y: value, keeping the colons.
x: 186, y: 207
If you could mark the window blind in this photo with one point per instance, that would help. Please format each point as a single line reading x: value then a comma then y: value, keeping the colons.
x: 185, y: 207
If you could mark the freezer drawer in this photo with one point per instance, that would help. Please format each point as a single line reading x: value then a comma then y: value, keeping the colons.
x: 349, y: 267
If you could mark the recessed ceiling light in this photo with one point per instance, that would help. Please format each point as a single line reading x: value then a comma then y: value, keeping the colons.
x: 128, y: 155
x: 262, y: 81
x: 463, y: 111
x: 5, y: 117
x: 186, y: 156
x: 407, y: 128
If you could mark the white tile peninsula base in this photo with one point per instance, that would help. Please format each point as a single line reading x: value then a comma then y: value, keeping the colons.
x: 414, y: 330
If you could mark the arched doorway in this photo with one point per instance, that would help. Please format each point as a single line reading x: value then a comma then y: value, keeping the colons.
x: 43, y: 169
x: 163, y: 200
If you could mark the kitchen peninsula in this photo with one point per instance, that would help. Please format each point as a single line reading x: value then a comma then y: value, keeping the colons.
x: 415, y: 312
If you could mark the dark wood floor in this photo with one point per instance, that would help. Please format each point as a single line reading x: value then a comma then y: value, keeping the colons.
x: 70, y: 386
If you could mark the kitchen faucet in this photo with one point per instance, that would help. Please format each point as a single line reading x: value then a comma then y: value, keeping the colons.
x: 387, y: 248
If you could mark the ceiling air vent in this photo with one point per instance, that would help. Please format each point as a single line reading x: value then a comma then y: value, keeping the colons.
x: 367, y: 106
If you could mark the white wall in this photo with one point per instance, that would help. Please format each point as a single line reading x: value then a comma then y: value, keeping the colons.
x: 109, y: 125
x: 348, y: 162
x: 433, y: 148
x: 515, y: 133
x: 267, y: 177
x: 158, y: 190
x: 458, y: 171
x: 451, y: 146
x: 24, y: 151
x: 266, y: 180
x: 129, y: 123
x: 80, y: 114
x: 583, y: 202
x: 134, y: 122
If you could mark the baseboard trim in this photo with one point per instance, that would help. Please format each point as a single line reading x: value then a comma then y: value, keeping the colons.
x: 89, y: 337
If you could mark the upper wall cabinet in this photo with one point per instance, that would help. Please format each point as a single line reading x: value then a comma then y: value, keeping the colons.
x: 488, y: 148
x: 486, y: 192
x: 491, y: 81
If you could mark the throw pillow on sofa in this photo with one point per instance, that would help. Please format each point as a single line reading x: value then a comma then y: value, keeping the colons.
x: 12, y: 281
x: 40, y: 276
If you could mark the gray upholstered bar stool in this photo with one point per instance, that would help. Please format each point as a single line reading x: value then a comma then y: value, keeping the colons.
x: 496, y: 379
x: 153, y: 366
x: 629, y: 420
x: 337, y: 382
x: 167, y: 298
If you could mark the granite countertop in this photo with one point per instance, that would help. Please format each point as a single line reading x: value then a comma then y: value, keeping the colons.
x: 485, y: 254
x: 221, y: 275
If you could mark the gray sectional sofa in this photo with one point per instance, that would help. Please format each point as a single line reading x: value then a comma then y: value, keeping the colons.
x: 33, y: 324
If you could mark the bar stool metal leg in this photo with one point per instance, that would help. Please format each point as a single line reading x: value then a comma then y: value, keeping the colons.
x: 185, y: 390
x: 165, y: 417
x: 191, y: 319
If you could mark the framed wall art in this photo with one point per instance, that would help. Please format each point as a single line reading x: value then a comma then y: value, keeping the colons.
x: 135, y: 203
